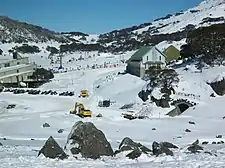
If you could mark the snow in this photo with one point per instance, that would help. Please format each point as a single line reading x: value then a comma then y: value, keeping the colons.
x: 207, y: 8
x: 24, y: 122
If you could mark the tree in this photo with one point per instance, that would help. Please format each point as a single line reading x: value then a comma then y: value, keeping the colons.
x: 167, y: 77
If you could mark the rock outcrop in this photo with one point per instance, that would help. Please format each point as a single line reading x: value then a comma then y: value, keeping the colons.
x: 87, y: 140
x: 136, y: 149
x: 51, y: 149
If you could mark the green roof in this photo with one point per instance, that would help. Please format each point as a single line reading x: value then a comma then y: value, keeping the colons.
x: 137, y: 56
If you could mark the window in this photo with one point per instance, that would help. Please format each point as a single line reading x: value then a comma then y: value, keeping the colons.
x: 18, y: 63
x: 147, y: 58
x: 160, y: 57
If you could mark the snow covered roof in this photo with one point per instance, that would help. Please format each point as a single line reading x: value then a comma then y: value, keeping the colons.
x: 137, y: 56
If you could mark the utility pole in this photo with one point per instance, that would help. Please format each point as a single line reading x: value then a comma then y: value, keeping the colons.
x: 60, y: 61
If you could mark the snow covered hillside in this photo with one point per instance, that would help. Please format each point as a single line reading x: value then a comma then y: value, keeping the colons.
x: 173, y: 27
x: 198, y: 16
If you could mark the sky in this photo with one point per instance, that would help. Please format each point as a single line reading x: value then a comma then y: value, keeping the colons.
x: 91, y: 16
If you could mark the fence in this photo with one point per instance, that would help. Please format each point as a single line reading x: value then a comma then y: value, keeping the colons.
x: 189, y: 95
x: 86, y: 68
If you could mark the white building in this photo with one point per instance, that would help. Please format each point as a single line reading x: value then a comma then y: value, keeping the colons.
x: 16, y: 70
x: 145, y: 58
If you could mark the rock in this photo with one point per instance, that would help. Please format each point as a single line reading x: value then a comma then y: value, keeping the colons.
x: 32, y: 139
x: 207, y: 152
x: 222, y: 142
x: 196, y: 142
x: 219, y: 136
x: 191, y: 122
x: 1, y: 144
x: 51, y: 149
x: 194, y: 148
x: 168, y: 145
x: 218, y: 87
x: 134, y: 154
x: 153, y: 129
x: 159, y: 149
x: 218, y: 142
x: 205, y: 143
x: 136, y: 149
x: 187, y: 130
x: 129, y: 144
x: 60, y: 131
x: 46, y: 125
x: 90, y: 142
x: 213, y: 143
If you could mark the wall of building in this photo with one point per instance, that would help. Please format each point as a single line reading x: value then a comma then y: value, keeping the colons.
x: 15, y: 79
x: 16, y: 70
x: 14, y: 62
x: 154, y: 56
x: 133, y: 68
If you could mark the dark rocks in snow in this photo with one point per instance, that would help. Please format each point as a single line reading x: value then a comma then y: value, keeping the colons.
x: 159, y: 148
x: 205, y: 143
x: 213, y: 143
x: 187, y: 130
x: 11, y: 106
x: 212, y: 95
x: 89, y: 141
x: 194, y: 148
x: 60, y: 131
x: 1, y: 144
x: 191, y: 122
x: 134, y: 154
x: 168, y: 145
x: 222, y: 142
x: 196, y: 142
x: 136, y: 149
x: 51, y: 149
x: 219, y: 136
x: 153, y: 129
x: 46, y: 125
x: 218, y: 87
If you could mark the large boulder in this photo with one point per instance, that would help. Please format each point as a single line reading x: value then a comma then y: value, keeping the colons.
x: 194, y: 148
x: 51, y: 149
x: 218, y: 87
x: 162, y: 148
x: 136, y: 149
x: 87, y: 140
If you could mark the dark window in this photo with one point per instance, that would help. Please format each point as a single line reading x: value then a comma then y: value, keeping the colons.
x: 147, y: 58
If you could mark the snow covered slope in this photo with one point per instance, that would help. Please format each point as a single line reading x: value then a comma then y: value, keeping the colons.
x: 194, y: 16
x: 24, y: 122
